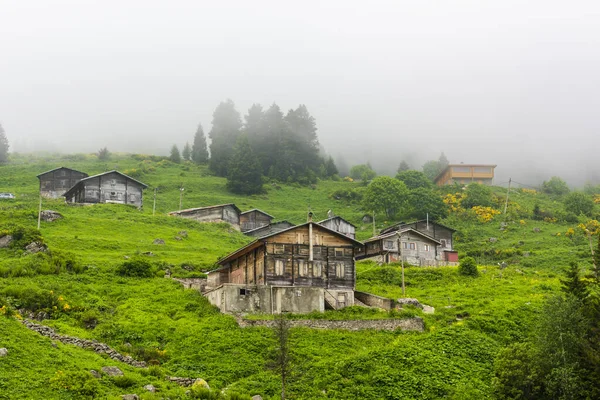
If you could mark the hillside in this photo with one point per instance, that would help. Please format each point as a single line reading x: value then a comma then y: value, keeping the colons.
x: 156, y: 320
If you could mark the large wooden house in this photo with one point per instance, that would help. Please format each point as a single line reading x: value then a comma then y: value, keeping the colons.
x: 416, y: 248
x: 465, y: 174
x: 108, y: 187
x: 300, y: 269
x: 229, y: 213
x: 55, y: 183
x: 442, y: 233
x: 254, y: 219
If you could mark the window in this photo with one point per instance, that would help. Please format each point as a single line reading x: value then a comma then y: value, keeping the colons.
x: 443, y: 242
x: 302, y: 268
x: 317, y: 269
x: 317, y: 251
x: 461, y: 169
x: 278, y: 249
x: 412, y: 246
x: 113, y: 182
x: 339, y: 270
x: 405, y: 245
x: 339, y: 252
x: 244, y: 292
x: 279, y: 267
x: 483, y: 170
x: 388, y: 244
x: 426, y: 247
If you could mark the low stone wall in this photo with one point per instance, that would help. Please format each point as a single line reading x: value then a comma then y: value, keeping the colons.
x: 97, y: 347
x: 192, y: 283
x: 407, y: 324
x: 372, y: 300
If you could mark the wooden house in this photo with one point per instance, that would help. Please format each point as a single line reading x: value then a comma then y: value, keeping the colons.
x: 229, y: 213
x: 442, y: 233
x: 56, y: 182
x: 108, y: 187
x: 416, y: 248
x: 269, y: 229
x: 254, y: 219
x: 340, y: 225
x: 465, y: 174
x: 300, y: 269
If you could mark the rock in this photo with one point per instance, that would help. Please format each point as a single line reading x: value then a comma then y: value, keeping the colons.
x: 150, y: 388
x: 95, y: 374
x: 187, y: 267
x: 526, y: 254
x: 50, y: 216
x: 257, y: 397
x: 149, y: 253
x: 112, y: 371
x: 178, y: 238
x: 412, y: 302
x: 503, y: 265
x: 493, y: 240
x: 183, y: 234
x: 130, y: 397
x: 158, y: 241
x: 428, y: 309
x: 201, y: 382
x: 367, y: 219
x: 35, y: 247
x: 54, y: 345
x: 3, y: 352
x: 126, y: 257
x: 536, y: 230
x: 5, y: 241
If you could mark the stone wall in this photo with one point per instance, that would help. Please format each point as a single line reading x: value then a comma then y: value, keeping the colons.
x: 408, y: 324
x: 372, y: 300
x: 99, y: 348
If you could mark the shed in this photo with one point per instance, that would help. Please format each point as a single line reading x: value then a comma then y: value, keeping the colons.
x: 108, y: 187
x: 229, y: 213
x: 56, y: 182
x: 253, y: 219
x: 340, y: 225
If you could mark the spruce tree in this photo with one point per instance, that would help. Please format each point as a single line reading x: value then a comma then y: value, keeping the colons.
x: 403, y: 167
x: 226, y: 126
x: 187, y: 152
x: 199, y: 149
x: 573, y: 284
x: 244, y: 172
x: 3, y: 146
x: 175, y: 156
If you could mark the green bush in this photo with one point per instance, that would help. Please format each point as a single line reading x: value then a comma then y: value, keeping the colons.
x: 136, y: 267
x: 467, y: 267
x: 124, y: 381
x: 80, y: 383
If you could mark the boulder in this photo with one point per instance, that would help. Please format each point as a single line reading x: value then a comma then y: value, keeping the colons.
x: 536, y: 230
x: 95, y: 374
x: 428, y: 309
x: 50, y: 216
x: 493, y: 240
x: 3, y: 352
x: 178, y: 238
x: 112, y: 371
x: 35, y: 247
x: 150, y: 388
x: 158, y: 241
x: 412, y: 302
x: 130, y: 397
x: 257, y: 397
x: 201, y: 382
x: 183, y: 234
x: 5, y: 241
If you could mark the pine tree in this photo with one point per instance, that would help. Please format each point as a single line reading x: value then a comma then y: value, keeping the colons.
x: 199, y: 149
x: 573, y: 284
x: 4, y: 146
x: 187, y: 152
x: 403, y: 167
x: 244, y: 172
x: 330, y: 167
x: 596, y: 266
x: 226, y: 126
x: 175, y: 156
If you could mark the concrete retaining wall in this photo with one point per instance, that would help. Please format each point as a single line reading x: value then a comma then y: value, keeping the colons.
x: 374, y: 301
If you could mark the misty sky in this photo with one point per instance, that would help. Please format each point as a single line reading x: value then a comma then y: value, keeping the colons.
x: 513, y: 83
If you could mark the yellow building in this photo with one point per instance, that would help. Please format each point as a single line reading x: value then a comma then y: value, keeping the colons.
x: 465, y: 174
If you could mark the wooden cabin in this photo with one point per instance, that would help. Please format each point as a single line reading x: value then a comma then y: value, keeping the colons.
x: 416, y: 248
x: 300, y: 269
x: 108, y: 187
x: 442, y: 233
x: 254, y: 219
x: 269, y: 229
x: 55, y: 183
x: 465, y: 174
x: 229, y: 213
x: 340, y: 225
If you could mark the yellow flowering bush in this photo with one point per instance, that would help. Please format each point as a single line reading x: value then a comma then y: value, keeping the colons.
x: 570, y: 233
x: 551, y: 220
x: 522, y: 222
x: 454, y: 201
x: 597, y: 199
x: 591, y: 227
x: 485, y: 214
x: 530, y: 191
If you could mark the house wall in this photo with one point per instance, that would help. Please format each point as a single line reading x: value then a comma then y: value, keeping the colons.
x: 266, y: 299
x: 253, y: 220
x: 466, y: 174
x: 434, y: 230
x: 109, y: 188
x: 54, y: 184
x: 386, y: 250
x: 214, y: 214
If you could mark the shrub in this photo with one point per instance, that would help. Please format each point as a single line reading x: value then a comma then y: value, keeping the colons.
x: 124, y: 381
x: 200, y: 392
x: 136, y: 267
x: 80, y: 383
x: 467, y: 267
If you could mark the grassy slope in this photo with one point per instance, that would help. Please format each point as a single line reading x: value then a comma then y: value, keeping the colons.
x: 452, y: 360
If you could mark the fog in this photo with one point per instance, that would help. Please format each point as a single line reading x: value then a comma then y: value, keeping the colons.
x: 503, y: 82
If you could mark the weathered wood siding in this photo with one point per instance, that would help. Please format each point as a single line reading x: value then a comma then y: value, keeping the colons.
x: 54, y: 184
x: 253, y: 219
x: 269, y: 229
x: 341, y: 226
x: 108, y: 188
x: 226, y: 213
x: 436, y: 231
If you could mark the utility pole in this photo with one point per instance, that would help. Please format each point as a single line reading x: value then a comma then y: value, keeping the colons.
x: 181, y: 189
x: 401, y: 263
x: 374, y: 230
x: 506, y: 202
x: 40, y: 212
x: 154, y: 205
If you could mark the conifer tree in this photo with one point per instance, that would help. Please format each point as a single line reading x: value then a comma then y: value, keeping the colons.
x: 573, y: 284
x: 4, y: 146
x: 226, y: 126
x: 175, y: 156
x: 199, y: 149
x: 187, y: 152
x: 244, y: 172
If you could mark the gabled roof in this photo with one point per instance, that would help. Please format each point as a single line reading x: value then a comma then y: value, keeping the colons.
x: 258, y: 242
x: 268, y: 227
x: 395, y: 227
x: 402, y: 232
x: 257, y: 210
x: 336, y: 217
x: 189, y: 210
x: 56, y: 169
x: 82, y: 181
